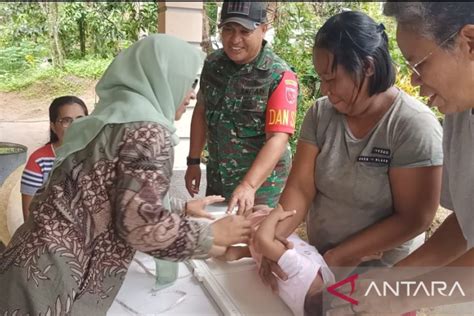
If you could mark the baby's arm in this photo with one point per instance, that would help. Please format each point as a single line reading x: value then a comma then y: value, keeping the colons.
x: 235, y: 253
x: 217, y: 251
x: 265, y: 241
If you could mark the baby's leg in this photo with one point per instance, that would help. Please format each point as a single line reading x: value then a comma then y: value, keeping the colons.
x: 236, y: 252
x: 313, y: 303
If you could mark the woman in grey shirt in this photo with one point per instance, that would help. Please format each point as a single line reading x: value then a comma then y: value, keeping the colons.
x: 367, y: 171
x: 437, y: 39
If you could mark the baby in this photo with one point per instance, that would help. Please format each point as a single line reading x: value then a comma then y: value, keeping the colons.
x: 307, y: 272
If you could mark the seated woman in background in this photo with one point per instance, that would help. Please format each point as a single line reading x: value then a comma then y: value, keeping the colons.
x: 367, y: 170
x: 62, y: 112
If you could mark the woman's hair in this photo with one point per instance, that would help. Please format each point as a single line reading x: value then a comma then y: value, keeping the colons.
x: 433, y: 20
x: 54, y: 111
x: 353, y: 37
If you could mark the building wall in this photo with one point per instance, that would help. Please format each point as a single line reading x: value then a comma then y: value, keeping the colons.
x: 181, y: 19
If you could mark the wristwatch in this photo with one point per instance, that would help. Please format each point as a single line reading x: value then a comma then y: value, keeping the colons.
x: 192, y: 161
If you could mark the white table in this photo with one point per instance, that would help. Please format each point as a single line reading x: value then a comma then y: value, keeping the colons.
x: 184, y: 297
x: 136, y: 292
x: 223, y: 289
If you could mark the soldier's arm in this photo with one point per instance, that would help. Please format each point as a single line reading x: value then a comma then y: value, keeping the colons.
x: 267, y: 159
x: 279, y: 125
x: 198, y: 130
x: 192, y: 177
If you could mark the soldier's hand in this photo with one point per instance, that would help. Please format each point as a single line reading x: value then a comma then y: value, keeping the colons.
x: 192, y: 178
x: 243, y: 197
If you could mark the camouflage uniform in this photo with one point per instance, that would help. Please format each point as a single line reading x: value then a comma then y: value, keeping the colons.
x: 235, y: 99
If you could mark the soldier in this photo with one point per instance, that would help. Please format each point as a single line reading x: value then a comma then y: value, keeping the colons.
x: 246, y: 110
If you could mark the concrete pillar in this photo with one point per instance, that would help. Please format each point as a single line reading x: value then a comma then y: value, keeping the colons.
x: 181, y: 19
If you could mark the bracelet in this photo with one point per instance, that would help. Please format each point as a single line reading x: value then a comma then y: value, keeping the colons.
x: 192, y: 161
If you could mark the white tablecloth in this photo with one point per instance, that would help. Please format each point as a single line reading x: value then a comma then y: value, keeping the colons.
x: 184, y: 297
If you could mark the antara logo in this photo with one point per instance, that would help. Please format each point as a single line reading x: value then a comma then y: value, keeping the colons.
x: 332, y: 289
x: 409, y: 288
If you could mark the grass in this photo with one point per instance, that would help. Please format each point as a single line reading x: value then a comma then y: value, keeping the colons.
x: 57, y: 81
x: 55, y: 85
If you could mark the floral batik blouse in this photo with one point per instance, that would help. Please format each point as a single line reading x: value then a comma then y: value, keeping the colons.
x: 99, y: 206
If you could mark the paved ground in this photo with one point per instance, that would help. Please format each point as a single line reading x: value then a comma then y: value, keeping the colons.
x: 178, y: 188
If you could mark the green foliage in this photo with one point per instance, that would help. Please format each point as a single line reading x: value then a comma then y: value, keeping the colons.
x: 21, y: 21
x: 91, y: 34
x: 211, y: 13
x: 107, y: 27
x: 87, y: 68
x: 22, y: 42
x: 56, y: 80
x: 85, y: 28
x: 294, y: 33
x: 20, y: 80
x: 303, y: 106
x: 22, y: 56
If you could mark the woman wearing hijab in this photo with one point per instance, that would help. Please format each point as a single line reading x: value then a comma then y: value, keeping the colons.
x: 106, y: 196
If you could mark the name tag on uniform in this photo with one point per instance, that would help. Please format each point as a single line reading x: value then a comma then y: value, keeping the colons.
x: 373, y: 159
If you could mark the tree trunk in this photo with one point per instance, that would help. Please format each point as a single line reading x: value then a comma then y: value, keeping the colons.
x: 206, y: 43
x: 51, y: 9
x: 82, y: 34
x: 272, y: 11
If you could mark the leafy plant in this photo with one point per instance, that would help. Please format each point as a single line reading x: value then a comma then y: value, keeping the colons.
x: 92, y: 68
x: 22, y: 56
x: 211, y: 13
x: 55, y: 80
x: 90, y: 33
x: 85, y: 28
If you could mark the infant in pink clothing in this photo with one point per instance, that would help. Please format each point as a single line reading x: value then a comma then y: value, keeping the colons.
x: 307, y: 272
